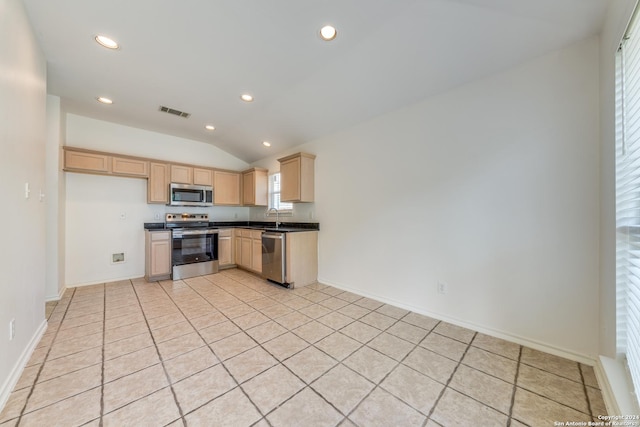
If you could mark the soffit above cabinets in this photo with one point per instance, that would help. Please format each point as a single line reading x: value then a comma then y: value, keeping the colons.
x: 200, y: 56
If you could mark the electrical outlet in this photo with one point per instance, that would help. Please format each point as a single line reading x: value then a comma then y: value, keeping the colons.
x: 12, y: 329
x: 442, y: 287
x: 157, y: 215
x: 117, y: 258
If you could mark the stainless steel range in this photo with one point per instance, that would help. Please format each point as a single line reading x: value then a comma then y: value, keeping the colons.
x: 194, y: 245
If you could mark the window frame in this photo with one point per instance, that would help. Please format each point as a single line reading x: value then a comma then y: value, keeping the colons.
x: 287, y: 210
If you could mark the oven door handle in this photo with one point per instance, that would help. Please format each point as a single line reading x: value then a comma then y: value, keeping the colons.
x: 194, y: 233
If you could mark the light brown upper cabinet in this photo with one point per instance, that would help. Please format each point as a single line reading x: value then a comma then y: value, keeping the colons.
x: 297, y: 178
x: 191, y: 175
x: 129, y: 166
x: 158, y: 185
x: 81, y: 161
x: 182, y: 174
x: 226, y: 188
x: 255, y: 187
x: 202, y: 176
x: 87, y: 161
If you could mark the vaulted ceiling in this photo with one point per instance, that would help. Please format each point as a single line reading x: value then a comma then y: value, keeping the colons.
x: 199, y: 56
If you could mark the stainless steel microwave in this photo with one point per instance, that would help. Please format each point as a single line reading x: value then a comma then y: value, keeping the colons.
x: 190, y: 195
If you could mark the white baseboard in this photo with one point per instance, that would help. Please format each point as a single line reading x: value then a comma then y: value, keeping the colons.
x: 14, y: 376
x: 527, y: 342
x: 56, y: 297
x: 616, y: 387
x: 99, y: 282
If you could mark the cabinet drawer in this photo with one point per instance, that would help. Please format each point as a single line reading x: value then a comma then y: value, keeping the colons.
x: 256, y: 234
x: 160, y: 235
x: 225, y: 233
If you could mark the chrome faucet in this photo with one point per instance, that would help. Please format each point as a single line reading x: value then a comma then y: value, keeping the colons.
x: 277, y: 215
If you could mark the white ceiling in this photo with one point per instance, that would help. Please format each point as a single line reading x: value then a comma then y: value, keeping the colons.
x: 198, y: 56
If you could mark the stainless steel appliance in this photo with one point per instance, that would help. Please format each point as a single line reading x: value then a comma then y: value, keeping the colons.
x: 274, y: 257
x: 194, y: 245
x: 190, y: 195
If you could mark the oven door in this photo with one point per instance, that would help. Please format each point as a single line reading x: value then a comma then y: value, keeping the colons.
x: 193, y: 246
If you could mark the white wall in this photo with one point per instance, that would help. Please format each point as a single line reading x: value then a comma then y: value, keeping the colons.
x: 614, y: 378
x: 94, y: 204
x: 491, y: 188
x: 22, y: 138
x: 55, y: 202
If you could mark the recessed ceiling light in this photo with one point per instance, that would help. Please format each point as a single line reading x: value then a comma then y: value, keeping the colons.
x: 266, y: 143
x: 104, y: 100
x: 210, y: 127
x: 246, y: 97
x: 107, y: 42
x: 328, y: 33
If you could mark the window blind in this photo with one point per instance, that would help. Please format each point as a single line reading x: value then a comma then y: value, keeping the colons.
x: 628, y: 201
x: 274, y: 194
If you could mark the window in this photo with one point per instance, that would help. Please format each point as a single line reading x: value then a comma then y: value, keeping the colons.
x: 274, y: 195
x: 628, y: 201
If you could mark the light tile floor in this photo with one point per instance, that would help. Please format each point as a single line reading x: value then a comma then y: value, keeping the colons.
x: 233, y: 350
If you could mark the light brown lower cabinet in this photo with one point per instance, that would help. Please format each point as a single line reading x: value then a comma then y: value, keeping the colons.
x: 249, y: 252
x: 302, y: 258
x: 225, y: 248
x: 157, y: 255
x: 301, y: 254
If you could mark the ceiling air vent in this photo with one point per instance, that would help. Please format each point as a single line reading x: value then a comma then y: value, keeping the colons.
x: 174, y: 112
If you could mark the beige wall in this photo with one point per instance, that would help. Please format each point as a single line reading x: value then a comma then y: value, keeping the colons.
x: 22, y: 140
x: 491, y: 188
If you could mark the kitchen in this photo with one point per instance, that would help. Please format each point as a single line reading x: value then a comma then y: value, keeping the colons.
x: 424, y: 193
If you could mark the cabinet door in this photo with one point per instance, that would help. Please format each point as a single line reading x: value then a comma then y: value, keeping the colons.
x: 248, y: 188
x: 256, y: 255
x: 202, y: 176
x: 255, y: 187
x: 246, y: 252
x: 158, y: 184
x: 87, y: 162
x: 182, y: 174
x: 160, y: 258
x: 237, y: 243
x: 129, y: 167
x: 224, y: 250
x: 290, y: 180
x: 158, y: 254
x: 226, y: 188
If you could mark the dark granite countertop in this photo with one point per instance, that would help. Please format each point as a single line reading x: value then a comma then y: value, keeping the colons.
x: 285, y: 227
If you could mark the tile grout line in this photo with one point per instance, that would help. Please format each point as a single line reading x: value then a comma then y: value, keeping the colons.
x: 398, y: 363
x: 104, y: 327
x: 210, y: 349
x: 35, y: 381
x: 435, y: 404
x: 515, y: 387
x: 238, y: 384
x: 280, y: 362
x: 586, y: 393
x: 146, y: 321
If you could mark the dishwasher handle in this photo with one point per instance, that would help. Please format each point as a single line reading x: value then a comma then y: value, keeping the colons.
x: 278, y: 236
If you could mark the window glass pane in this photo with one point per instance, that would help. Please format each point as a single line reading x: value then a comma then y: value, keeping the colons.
x: 274, y: 194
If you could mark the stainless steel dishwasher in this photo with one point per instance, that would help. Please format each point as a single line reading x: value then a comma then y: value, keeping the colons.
x: 274, y: 257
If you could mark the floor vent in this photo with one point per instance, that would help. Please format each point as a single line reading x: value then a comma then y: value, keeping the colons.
x: 174, y: 112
